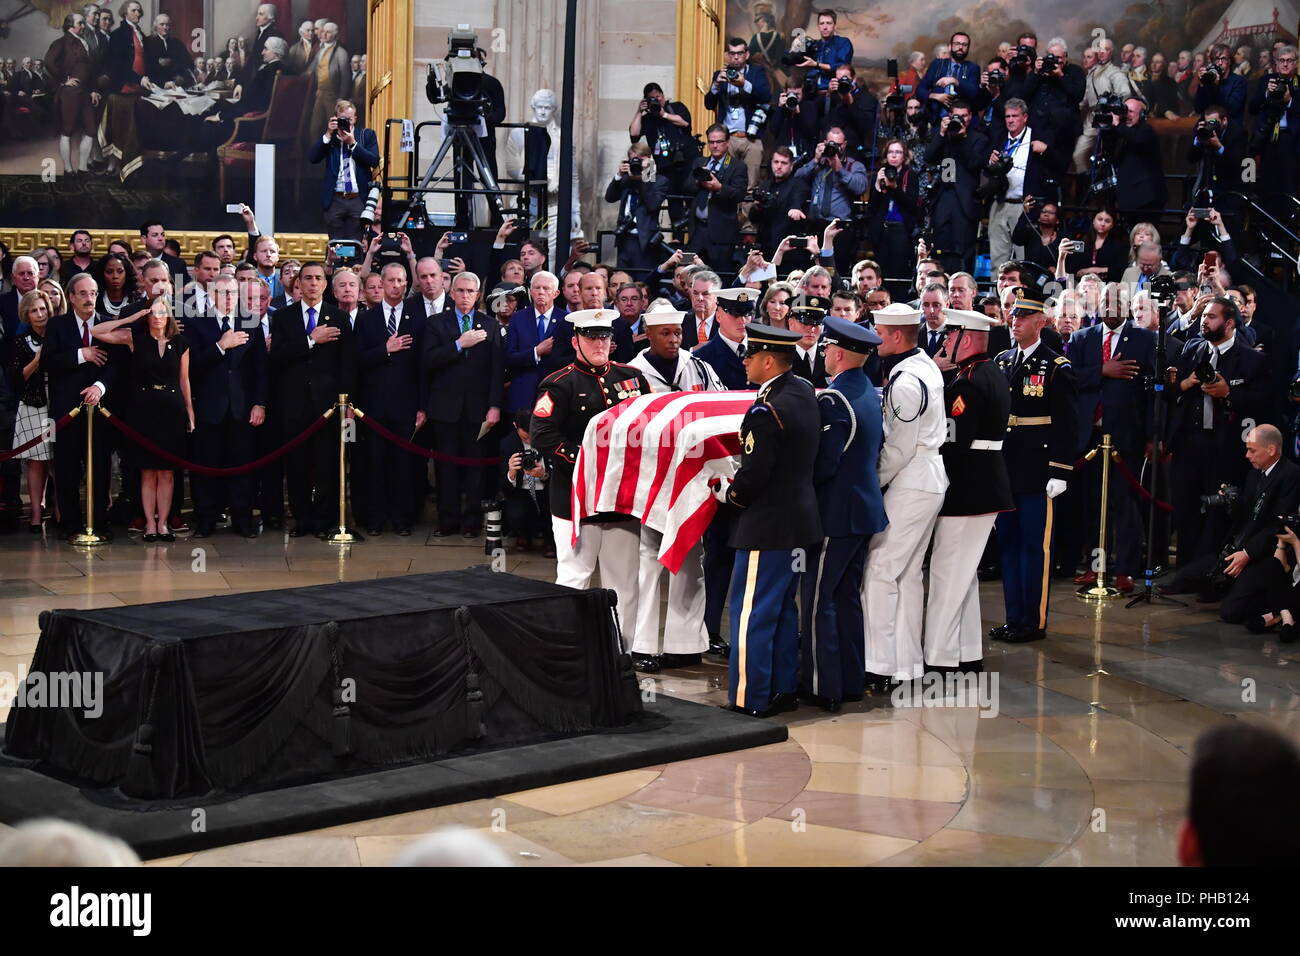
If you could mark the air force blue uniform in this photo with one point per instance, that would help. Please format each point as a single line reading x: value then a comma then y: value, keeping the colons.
x: 852, y: 509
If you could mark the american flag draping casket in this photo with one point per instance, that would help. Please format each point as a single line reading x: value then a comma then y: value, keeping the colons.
x: 654, y: 456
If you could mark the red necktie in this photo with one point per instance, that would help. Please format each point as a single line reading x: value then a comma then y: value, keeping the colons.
x: 85, y: 335
x: 1105, y: 357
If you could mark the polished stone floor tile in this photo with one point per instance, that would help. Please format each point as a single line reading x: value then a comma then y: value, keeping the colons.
x: 658, y: 794
x: 622, y: 829
x: 496, y: 812
x: 953, y: 847
x: 890, y: 816
x: 1028, y: 769
x: 896, y: 743
x: 1032, y: 812
x: 1016, y: 698
x: 941, y: 784
x: 297, y: 850
x: 1179, y: 722
x: 772, y: 842
x: 1107, y: 689
x: 583, y: 794
x: 1225, y: 687
x: 1123, y: 837
x: 1107, y: 746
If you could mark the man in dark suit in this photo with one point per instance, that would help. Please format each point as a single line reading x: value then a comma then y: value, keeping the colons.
x: 1138, y: 169
x: 267, y: 28
x: 703, y: 306
x: 725, y: 351
x: 947, y: 80
x: 1205, y: 427
x: 351, y: 156
x: 1217, y: 149
x: 127, y: 66
x: 313, y: 361
x: 228, y: 379
x: 1039, y: 159
x: 537, y: 343
x: 463, y: 368
x: 956, y: 210
x: 167, y: 62
x: 1221, y: 84
x: 390, y: 343
x: 1112, y: 362
x: 1239, y: 564
x: 78, y: 372
x: 738, y: 92
x: 637, y: 232
x: 715, y: 228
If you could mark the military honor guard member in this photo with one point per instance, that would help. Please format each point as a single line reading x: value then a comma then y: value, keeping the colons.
x: 567, y: 400
x: 1039, y: 445
x: 669, y: 368
x: 852, y: 510
x: 977, y: 403
x: 776, y: 525
x: 911, y: 471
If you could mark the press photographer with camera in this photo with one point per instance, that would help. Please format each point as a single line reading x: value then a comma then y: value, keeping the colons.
x: 1240, y: 571
x: 1055, y: 89
x: 947, y: 81
x: 717, y: 183
x: 850, y: 109
x: 741, y: 96
x: 1219, y: 84
x: 1036, y: 231
x: 1109, y: 86
x: 823, y: 55
x: 779, y: 201
x: 954, y: 205
x: 527, y: 505
x: 1217, y: 149
x: 666, y: 127
x: 351, y: 154
x: 835, y: 181
x: 639, y: 193
x: 793, y: 123
x: 1276, y: 108
x: 894, y: 210
x: 1138, y: 168
x: 992, y: 97
x: 1023, y: 161
x: 1216, y: 384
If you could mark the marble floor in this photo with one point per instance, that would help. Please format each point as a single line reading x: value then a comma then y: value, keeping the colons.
x: 1084, y: 762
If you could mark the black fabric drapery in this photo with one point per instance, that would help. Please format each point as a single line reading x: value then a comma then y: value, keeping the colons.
x: 254, y: 691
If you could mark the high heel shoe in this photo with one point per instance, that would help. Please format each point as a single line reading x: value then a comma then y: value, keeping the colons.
x: 149, y: 538
x: 166, y: 536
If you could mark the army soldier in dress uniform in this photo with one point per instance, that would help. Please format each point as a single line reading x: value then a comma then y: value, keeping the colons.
x: 776, y: 524
x: 911, y: 471
x: 977, y: 402
x: 567, y: 400
x: 852, y: 510
x: 1039, y: 445
x: 670, y: 368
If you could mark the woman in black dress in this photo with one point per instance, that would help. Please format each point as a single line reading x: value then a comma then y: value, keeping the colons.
x: 894, y: 211
x: 160, y: 406
x: 1104, y: 254
x: 117, y: 286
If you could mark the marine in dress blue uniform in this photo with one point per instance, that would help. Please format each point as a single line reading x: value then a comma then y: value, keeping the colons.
x: 852, y: 509
x: 777, y: 518
x: 1039, y: 450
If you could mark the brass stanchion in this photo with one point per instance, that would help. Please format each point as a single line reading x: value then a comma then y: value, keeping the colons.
x: 342, y: 535
x: 88, y: 538
x: 1100, y: 591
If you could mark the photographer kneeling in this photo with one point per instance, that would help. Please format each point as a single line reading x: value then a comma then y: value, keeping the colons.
x: 1281, y: 591
x: 1244, y: 571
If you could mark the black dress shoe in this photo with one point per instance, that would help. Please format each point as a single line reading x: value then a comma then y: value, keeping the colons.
x: 646, y: 663
x: 1023, y: 635
x: 1000, y: 632
x: 166, y: 536
x: 679, y: 660
x: 403, y: 531
x: 829, y: 704
x: 989, y: 572
x: 748, y: 712
x: 1255, y: 624
x: 970, y: 667
x: 1287, y: 634
x: 878, y: 683
x: 718, y: 647
x: 150, y: 538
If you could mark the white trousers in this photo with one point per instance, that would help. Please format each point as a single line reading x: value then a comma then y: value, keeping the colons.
x: 612, y: 545
x: 953, y: 630
x: 684, y: 628
x: 893, y: 589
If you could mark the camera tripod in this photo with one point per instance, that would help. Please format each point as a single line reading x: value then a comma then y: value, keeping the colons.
x: 469, y: 162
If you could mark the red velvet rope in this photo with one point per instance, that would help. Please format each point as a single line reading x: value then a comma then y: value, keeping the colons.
x: 151, y: 448
x: 1131, y: 479
x: 6, y: 455
x: 414, y: 449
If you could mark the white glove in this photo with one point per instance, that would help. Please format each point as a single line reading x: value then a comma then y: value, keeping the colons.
x: 1054, y: 487
x: 720, y: 487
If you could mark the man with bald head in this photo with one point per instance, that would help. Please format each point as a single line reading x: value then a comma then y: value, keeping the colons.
x: 594, y: 295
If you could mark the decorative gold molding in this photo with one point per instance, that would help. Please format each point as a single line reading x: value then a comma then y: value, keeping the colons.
x: 390, y: 52
x: 699, y: 52
x: 293, y: 245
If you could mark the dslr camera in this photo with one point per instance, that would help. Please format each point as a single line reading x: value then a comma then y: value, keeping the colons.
x: 1276, y: 95
x: 1224, y: 500
x: 830, y: 150
x: 1050, y: 62
x: 530, y: 459
x: 732, y: 73
x: 1109, y: 112
x: 791, y: 101
x: 653, y: 107
x: 634, y: 165
x: 1206, y: 130
x: 893, y: 174
x: 844, y: 84
x: 955, y: 126
x: 997, y: 78
x: 1023, y: 57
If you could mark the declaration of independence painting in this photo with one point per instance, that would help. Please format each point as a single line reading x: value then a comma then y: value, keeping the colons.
x: 117, y: 112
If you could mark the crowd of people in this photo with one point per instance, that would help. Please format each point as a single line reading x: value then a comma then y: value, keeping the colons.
x: 98, y: 56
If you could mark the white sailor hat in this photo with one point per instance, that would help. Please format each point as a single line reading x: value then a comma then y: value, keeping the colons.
x: 662, y: 315
x: 896, y: 313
